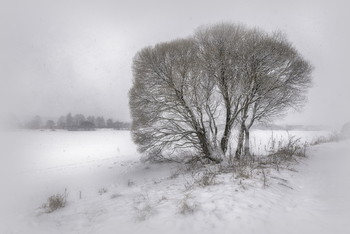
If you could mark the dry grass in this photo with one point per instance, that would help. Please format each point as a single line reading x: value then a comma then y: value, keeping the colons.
x: 102, y: 191
x: 333, y: 137
x: 55, y: 202
x: 187, y: 205
x: 144, y: 207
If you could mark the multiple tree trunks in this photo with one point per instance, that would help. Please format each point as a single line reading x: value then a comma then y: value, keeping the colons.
x: 224, y: 75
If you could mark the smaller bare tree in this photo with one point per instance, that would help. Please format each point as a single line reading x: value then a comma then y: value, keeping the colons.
x: 277, y: 79
x: 172, y: 104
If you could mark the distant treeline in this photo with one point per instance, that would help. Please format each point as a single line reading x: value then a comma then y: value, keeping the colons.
x: 75, y: 123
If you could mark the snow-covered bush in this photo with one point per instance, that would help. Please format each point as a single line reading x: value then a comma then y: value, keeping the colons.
x: 203, y: 177
x: 55, y: 202
x: 330, y: 138
x: 187, y: 206
x: 144, y: 207
x: 102, y: 191
x: 207, y: 178
x: 287, y: 150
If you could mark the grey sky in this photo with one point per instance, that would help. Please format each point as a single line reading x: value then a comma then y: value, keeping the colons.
x: 75, y: 56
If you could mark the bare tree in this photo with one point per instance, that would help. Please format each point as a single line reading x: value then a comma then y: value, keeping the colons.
x: 276, y: 78
x: 61, y: 122
x: 35, y: 123
x: 100, y: 122
x: 172, y: 103
x: 50, y: 124
x: 91, y: 119
x: 189, y: 94
x: 109, y: 123
x: 78, y: 119
x: 221, y: 59
x: 69, y: 121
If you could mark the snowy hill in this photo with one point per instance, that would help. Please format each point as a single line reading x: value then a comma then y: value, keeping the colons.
x: 111, y: 191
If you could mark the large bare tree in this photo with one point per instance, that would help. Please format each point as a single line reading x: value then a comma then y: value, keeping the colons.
x: 276, y: 78
x: 221, y: 58
x: 172, y: 103
x: 189, y: 94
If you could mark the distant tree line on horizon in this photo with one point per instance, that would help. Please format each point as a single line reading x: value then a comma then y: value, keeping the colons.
x: 76, y: 122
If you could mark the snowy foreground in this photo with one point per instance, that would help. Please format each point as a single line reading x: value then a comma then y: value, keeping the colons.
x: 111, y: 191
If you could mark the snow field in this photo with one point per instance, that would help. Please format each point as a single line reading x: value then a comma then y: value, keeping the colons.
x: 110, y: 191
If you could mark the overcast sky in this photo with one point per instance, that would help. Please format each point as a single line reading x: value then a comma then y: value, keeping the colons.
x: 75, y: 56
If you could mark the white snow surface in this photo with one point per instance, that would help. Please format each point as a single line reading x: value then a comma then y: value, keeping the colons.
x: 310, y: 197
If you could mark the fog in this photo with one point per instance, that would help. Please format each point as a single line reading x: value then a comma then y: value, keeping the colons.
x: 75, y: 56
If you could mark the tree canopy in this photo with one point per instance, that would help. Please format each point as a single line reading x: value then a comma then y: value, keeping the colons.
x: 189, y: 94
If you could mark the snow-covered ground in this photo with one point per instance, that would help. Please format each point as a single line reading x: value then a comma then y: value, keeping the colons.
x: 111, y: 191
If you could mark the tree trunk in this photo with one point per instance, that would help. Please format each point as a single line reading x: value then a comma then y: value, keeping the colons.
x: 228, y: 127
x: 205, y: 148
x: 225, y: 138
x: 200, y: 132
x: 246, y: 142
x: 240, y: 142
x: 241, y: 133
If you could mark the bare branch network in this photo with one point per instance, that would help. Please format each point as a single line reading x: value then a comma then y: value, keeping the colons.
x: 189, y: 94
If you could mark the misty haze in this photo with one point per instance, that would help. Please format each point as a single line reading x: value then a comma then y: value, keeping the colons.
x: 177, y: 117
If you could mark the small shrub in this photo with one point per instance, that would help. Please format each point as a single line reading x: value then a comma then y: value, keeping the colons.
x: 187, y: 206
x: 144, y: 212
x: 244, y: 167
x: 264, y: 178
x: 163, y: 198
x: 293, y: 147
x: 55, y: 202
x: 202, y: 178
x: 131, y: 183
x: 102, y: 191
x: 174, y: 175
x: 333, y: 137
x: 207, y: 178
x: 243, y: 172
x: 144, y: 207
